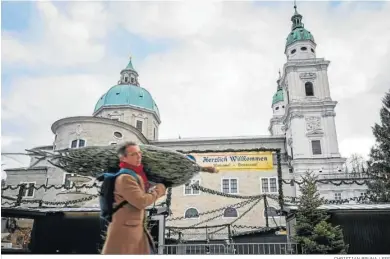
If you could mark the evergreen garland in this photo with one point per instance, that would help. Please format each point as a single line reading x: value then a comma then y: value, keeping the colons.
x: 168, y: 200
x: 280, y: 179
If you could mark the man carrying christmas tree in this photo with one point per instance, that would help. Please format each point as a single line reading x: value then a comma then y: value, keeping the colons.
x: 126, y: 233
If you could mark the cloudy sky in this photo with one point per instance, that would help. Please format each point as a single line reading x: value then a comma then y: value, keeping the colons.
x: 211, y: 67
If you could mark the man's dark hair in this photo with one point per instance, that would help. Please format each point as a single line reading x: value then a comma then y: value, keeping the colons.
x: 122, y: 150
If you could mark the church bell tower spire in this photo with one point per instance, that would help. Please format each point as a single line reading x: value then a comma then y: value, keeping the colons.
x: 296, y: 19
x: 300, y: 42
x: 309, y: 118
x: 129, y: 75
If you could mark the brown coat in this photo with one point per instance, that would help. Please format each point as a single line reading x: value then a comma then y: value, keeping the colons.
x: 126, y: 233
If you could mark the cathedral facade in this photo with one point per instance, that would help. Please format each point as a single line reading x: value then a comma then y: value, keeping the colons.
x: 302, y: 127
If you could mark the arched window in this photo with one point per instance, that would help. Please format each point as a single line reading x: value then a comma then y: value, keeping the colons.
x: 191, y: 213
x: 77, y: 143
x: 230, y: 213
x: 309, y: 89
x: 271, y: 211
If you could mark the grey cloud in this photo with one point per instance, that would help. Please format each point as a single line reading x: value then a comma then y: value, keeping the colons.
x: 220, y: 77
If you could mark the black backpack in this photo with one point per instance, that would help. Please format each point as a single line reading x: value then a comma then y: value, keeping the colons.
x: 106, y: 197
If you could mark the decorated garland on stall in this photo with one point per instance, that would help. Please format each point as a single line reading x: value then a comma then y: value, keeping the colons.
x: 242, y: 215
x: 287, y: 200
x: 263, y: 149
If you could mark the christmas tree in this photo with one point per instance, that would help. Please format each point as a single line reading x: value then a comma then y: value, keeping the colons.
x: 379, y: 163
x: 313, y: 233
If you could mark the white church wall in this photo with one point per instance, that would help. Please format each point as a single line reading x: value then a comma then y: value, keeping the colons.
x: 277, y: 129
x: 342, y: 192
x: 93, y: 133
x: 300, y: 52
x: 279, y: 108
x: 130, y: 116
x: 36, y: 176
x: 45, y: 176
x: 303, y: 71
x: 57, y: 176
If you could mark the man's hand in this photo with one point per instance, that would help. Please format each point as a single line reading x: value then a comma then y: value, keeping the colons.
x: 128, y: 187
x: 160, y: 189
x: 209, y: 169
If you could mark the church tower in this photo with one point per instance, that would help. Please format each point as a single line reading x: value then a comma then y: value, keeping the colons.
x: 278, y: 110
x: 309, y: 117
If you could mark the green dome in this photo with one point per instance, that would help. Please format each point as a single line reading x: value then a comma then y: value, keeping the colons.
x: 298, y: 31
x: 299, y: 34
x: 279, y: 96
x: 127, y: 94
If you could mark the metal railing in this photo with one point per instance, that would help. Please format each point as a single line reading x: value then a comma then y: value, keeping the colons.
x: 236, y: 248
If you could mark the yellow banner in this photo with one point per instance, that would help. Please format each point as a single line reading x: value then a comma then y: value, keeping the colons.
x: 235, y: 161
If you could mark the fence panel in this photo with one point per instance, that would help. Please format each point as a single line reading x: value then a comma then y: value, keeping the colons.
x: 199, y: 249
x: 240, y: 248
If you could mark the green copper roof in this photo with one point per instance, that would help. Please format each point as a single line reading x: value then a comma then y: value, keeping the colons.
x: 127, y: 94
x: 130, y: 65
x: 298, y: 32
x: 279, y: 96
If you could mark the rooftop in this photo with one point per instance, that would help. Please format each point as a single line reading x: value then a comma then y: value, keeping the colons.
x: 252, y: 137
x: 350, y: 207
